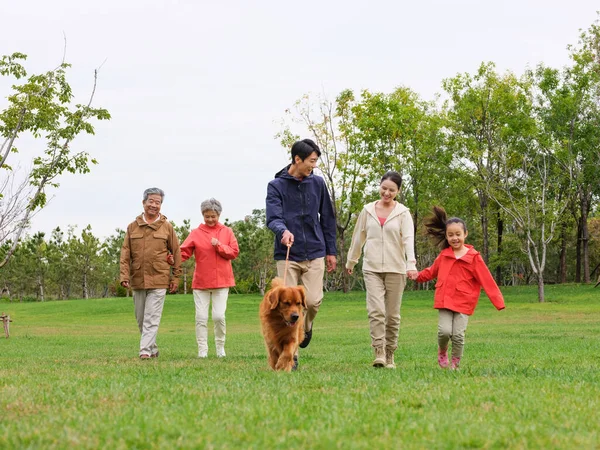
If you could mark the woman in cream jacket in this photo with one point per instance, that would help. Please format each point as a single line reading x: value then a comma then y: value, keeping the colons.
x: 385, y: 229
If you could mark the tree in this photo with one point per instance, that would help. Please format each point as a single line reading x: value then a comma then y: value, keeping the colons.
x: 41, y: 106
x: 254, y: 267
x: 531, y: 184
x: 183, y: 232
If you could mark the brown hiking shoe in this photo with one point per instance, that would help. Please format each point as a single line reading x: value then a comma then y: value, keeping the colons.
x: 379, y: 357
x: 389, y: 359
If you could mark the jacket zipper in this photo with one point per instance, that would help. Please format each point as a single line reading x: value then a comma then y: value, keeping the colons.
x: 303, y: 222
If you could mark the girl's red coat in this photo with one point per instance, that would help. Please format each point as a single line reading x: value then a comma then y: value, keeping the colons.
x: 213, y: 264
x: 459, y: 281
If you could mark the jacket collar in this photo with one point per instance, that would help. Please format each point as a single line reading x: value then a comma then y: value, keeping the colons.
x: 467, y: 257
x: 207, y: 229
x: 154, y: 225
x: 283, y: 173
x: 398, y: 209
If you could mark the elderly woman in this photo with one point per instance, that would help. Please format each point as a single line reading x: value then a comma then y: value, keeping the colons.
x: 214, y: 246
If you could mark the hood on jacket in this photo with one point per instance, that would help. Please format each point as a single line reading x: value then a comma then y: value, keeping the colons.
x: 283, y: 173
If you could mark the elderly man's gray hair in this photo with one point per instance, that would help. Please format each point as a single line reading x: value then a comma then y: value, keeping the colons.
x: 151, y: 191
x: 211, y: 205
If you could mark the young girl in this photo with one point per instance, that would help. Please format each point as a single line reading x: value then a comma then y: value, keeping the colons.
x: 460, y: 273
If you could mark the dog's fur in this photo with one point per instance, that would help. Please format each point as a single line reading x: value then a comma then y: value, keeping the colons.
x: 282, y: 321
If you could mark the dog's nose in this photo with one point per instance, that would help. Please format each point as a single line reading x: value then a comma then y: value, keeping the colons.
x: 294, y: 317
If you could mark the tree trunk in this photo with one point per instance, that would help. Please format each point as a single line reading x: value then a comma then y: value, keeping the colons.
x: 500, y: 226
x: 185, y: 280
x: 342, y: 259
x: 41, y: 287
x: 85, y: 286
x: 562, y: 267
x: 578, y: 253
x: 540, y: 287
x: 585, y: 239
x: 485, y: 250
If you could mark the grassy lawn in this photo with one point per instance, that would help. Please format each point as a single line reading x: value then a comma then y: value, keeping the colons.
x: 529, y: 378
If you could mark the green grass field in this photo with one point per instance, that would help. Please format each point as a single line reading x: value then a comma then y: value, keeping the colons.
x: 529, y: 378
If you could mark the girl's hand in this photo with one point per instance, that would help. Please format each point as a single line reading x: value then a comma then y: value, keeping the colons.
x: 412, y: 274
x: 171, y: 259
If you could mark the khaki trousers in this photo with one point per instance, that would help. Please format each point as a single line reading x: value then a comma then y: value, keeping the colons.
x: 310, y: 275
x: 384, y: 298
x: 148, y: 305
x: 202, y: 299
x: 452, y: 326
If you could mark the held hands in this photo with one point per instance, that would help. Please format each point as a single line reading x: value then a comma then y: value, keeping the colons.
x: 412, y: 274
x: 125, y: 284
x: 349, y: 271
x: 173, y: 287
x: 171, y: 259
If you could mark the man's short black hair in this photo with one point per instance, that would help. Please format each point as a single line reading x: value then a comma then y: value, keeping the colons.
x: 304, y: 148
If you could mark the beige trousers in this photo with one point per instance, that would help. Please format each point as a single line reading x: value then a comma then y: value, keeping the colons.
x: 148, y: 305
x: 202, y: 298
x: 384, y: 298
x: 310, y: 275
x: 452, y: 326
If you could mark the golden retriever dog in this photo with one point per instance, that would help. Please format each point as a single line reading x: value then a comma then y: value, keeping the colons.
x: 282, y: 321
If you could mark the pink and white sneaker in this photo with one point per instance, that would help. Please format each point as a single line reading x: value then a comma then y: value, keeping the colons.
x: 443, y: 358
x: 455, y: 363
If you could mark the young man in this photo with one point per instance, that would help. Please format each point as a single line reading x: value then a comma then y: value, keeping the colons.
x: 144, y: 267
x: 300, y: 213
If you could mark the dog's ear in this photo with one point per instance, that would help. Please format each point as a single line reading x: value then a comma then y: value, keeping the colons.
x: 274, y: 298
x: 302, y: 295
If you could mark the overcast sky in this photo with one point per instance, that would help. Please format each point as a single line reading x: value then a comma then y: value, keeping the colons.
x: 197, y: 89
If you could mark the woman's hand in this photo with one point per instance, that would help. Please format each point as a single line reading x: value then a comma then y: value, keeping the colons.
x: 412, y: 274
x: 214, y: 242
x: 349, y: 271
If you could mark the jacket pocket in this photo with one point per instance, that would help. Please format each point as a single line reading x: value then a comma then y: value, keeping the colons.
x: 464, y: 287
x: 162, y: 273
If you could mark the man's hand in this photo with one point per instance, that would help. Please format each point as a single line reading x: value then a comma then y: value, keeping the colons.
x: 412, y: 274
x: 287, y: 238
x: 331, y: 263
x: 173, y: 287
x: 214, y: 242
x: 125, y: 284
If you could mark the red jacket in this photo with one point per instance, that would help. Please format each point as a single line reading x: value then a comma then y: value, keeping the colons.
x: 213, y: 264
x: 459, y: 281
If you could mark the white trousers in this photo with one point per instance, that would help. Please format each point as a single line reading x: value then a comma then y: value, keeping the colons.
x: 202, y: 298
x: 148, y: 304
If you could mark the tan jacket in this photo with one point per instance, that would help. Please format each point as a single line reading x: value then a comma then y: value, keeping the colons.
x: 388, y: 247
x: 144, y: 254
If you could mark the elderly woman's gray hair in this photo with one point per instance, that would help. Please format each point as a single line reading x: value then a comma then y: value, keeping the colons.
x: 211, y: 205
x: 151, y: 191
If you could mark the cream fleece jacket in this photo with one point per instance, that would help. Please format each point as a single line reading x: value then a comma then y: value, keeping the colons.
x: 387, y: 248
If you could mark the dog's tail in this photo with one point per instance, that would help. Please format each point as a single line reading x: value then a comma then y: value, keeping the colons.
x: 277, y: 282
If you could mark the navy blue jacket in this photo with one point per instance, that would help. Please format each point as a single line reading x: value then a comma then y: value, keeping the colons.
x: 304, y: 208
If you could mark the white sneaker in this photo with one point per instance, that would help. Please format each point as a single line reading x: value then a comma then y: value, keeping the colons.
x: 220, y: 352
x: 203, y: 354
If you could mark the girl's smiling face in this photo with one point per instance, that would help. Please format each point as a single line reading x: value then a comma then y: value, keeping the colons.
x: 456, y: 235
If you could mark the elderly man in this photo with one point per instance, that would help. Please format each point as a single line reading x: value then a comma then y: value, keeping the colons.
x: 150, y: 239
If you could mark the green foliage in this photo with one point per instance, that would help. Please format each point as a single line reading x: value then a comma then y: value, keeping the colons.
x: 42, y: 106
